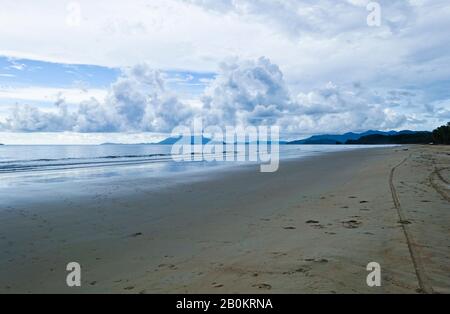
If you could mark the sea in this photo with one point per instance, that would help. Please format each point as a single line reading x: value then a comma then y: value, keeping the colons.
x: 72, y: 162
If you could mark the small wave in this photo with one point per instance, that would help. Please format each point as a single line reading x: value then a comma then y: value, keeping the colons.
x: 91, y: 158
x: 71, y: 163
x: 49, y: 164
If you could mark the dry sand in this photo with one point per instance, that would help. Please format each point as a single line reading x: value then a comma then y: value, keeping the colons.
x: 311, y: 227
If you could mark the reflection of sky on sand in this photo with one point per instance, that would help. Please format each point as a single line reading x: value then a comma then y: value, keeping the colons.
x: 148, y: 168
x: 52, y: 187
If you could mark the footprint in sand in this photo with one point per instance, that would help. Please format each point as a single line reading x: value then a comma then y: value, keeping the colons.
x: 351, y: 224
x: 304, y: 269
x: 278, y: 254
x: 168, y: 266
x: 315, y: 224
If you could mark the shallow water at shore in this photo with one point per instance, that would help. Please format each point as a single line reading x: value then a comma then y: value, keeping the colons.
x: 43, y: 163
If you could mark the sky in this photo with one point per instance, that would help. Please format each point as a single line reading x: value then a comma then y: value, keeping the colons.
x: 86, y: 72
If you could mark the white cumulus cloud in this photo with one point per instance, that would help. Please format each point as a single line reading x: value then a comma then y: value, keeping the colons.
x: 137, y: 101
x: 244, y: 92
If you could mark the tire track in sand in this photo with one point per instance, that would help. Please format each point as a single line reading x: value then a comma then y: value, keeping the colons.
x: 435, y: 177
x: 412, y: 247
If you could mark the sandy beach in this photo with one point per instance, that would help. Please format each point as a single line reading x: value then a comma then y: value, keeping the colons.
x: 311, y: 227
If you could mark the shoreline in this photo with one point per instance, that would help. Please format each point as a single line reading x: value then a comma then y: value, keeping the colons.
x: 311, y: 227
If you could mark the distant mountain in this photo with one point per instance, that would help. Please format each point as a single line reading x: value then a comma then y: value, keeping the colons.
x: 326, y: 139
x: 203, y: 140
x: 167, y: 141
x: 401, y: 138
x: 174, y: 140
x: 343, y: 138
x: 112, y: 144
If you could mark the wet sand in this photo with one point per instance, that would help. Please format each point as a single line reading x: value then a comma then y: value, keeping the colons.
x: 311, y: 227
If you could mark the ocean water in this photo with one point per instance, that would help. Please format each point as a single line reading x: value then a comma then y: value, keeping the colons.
x: 75, y: 161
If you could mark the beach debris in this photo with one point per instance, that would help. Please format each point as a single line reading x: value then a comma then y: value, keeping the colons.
x: 129, y: 288
x: 262, y: 286
x: 312, y: 222
x: 404, y: 222
x: 289, y: 228
x: 363, y: 202
x: 321, y: 260
x: 217, y: 285
x: 137, y: 234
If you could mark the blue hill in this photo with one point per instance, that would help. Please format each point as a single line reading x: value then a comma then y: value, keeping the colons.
x: 342, y: 138
x: 173, y: 140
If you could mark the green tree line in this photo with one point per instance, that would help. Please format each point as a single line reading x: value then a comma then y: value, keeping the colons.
x: 442, y: 135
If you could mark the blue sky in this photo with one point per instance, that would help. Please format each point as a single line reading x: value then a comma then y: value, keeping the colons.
x: 93, y: 71
x: 23, y: 73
